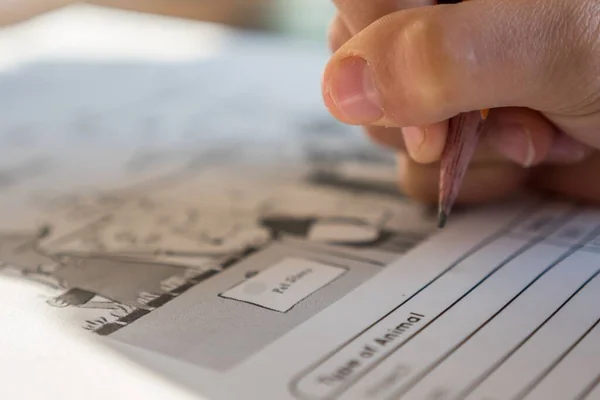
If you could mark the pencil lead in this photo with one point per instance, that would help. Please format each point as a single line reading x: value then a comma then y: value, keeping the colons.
x: 442, y: 217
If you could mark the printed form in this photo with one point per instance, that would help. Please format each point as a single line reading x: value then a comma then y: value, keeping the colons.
x: 513, y: 316
x: 502, y: 305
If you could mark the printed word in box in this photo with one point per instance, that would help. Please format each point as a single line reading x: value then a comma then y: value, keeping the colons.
x: 285, y: 284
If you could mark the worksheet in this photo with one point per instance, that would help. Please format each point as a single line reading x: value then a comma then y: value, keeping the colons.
x: 161, y: 236
x: 501, y: 306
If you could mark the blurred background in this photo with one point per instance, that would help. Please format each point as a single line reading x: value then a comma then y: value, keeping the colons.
x: 307, y: 19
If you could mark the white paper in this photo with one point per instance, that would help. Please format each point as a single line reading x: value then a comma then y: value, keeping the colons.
x: 148, y: 212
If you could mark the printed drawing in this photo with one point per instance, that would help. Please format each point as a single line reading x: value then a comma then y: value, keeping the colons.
x: 122, y: 255
x: 105, y: 282
x: 129, y: 256
x: 20, y: 250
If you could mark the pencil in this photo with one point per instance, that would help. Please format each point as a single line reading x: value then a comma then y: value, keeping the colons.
x: 464, y: 131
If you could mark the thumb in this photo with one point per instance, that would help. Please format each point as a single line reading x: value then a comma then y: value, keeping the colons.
x: 425, y: 65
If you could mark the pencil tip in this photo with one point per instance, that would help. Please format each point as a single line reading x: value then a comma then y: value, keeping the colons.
x: 442, y: 217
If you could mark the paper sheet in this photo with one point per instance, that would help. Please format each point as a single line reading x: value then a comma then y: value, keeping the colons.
x: 164, y: 237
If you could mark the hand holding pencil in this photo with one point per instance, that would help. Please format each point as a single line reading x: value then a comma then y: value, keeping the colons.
x: 408, y: 71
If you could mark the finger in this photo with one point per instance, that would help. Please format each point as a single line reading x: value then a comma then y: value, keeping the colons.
x: 521, y: 135
x: 359, y: 14
x: 528, y: 138
x: 482, y: 183
x: 576, y: 182
x: 338, y: 33
x: 425, y: 144
x: 428, y: 64
x: 392, y: 138
x: 567, y: 150
x: 583, y: 126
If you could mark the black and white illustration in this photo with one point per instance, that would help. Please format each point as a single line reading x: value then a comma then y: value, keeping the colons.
x: 126, y: 257
x: 185, y: 211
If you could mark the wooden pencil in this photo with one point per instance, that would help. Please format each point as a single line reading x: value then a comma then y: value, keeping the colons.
x: 464, y: 131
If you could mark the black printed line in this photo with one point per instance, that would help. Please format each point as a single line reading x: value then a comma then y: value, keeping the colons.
x: 306, y: 247
x: 293, y: 387
x: 499, y: 363
x: 294, y: 382
x: 347, y: 256
x: 556, y: 226
x: 423, y: 374
x: 534, y: 383
x: 108, y: 329
x: 204, y: 276
x: 239, y: 258
x: 133, y: 316
x: 158, y: 302
x: 589, y: 389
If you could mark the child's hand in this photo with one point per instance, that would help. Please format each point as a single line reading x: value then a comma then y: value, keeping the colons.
x: 535, y: 62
